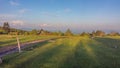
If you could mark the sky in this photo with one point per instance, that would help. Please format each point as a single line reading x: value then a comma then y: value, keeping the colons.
x: 54, y: 15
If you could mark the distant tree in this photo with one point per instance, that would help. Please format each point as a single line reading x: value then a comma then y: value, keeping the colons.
x: 40, y: 31
x: 2, y: 31
x: 54, y: 33
x: 60, y: 33
x: 20, y: 32
x: 6, y: 27
x: 26, y: 33
x: 68, y: 32
x: 114, y: 34
x: 34, y: 32
x: 92, y: 35
x: 0, y: 27
x: 84, y: 34
x: 100, y: 33
x: 43, y: 32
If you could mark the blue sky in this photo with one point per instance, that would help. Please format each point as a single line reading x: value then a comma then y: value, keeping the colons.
x: 78, y: 15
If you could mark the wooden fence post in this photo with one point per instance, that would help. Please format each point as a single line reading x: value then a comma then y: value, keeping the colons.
x: 19, y: 48
x: 0, y: 60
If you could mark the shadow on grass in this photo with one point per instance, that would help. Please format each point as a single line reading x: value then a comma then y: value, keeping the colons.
x: 84, y: 56
x: 33, y: 46
x: 30, y: 48
x: 7, y: 59
x: 72, y: 59
x: 109, y: 42
x: 107, y: 54
x: 40, y: 59
x: 54, y: 57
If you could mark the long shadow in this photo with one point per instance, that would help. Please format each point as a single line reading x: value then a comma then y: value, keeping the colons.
x: 40, y: 59
x: 84, y: 56
x: 46, y: 54
x: 43, y: 59
x: 109, y: 42
x: 7, y: 60
x: 35, y: 45
x: 109, y: 52
x: 72, y: 59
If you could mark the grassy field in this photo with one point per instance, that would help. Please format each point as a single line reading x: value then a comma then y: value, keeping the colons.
x: 73, y: 52
x: 6, y: 40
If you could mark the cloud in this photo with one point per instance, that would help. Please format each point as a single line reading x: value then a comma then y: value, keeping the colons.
x: 44, y: 25
x: 7, y: 17
x: 23, y: 11
x: 17, y: 22
x: 13, y: 3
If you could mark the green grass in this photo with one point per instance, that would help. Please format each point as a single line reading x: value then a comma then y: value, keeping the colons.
x: 72, y: 52
x: 6, y: 40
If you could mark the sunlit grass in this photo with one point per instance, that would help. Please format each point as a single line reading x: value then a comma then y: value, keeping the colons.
x: 71, y: 52
x: 6, y: 40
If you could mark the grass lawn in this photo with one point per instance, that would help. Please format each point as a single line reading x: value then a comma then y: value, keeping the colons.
x: 6, y: 40
x: 73, y: 52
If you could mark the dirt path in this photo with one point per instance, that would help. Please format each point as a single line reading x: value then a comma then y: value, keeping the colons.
x: 13, y: 48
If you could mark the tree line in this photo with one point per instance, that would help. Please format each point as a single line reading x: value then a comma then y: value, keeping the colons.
x: 5, y: 29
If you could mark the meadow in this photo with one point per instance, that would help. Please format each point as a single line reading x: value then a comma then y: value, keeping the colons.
x: 71, y: 52
x: 6, y: 40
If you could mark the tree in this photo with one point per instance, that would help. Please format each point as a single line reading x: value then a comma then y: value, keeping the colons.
x: 68, y: 32
x: 40, y: 31
x: 100, y: 33
x: 43, y: 32
x: 26, y: 33
x: 6, y: 27
x: 85, y: 34
x: 54, y: 33
x: 114, y: 34
x: 34, y: 32
x: 20, y: 32
x: 92, y: 35
x: 2, y: 31
x: 60, y: 33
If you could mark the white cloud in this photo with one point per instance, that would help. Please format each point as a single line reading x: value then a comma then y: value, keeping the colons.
x: 44, y: 25
x: 14, y: 3
x: 17, y: 22
x: 7, y: 17
x: 23, y: 11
